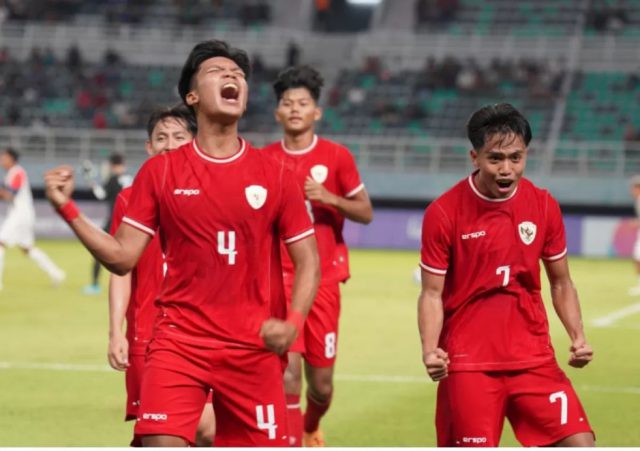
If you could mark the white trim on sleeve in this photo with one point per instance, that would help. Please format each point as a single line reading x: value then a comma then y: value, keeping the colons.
x: 556, y: 257
x: 355, y: 191
x: 139, y: 226
x: 299, y: 236
x: 440, y: 272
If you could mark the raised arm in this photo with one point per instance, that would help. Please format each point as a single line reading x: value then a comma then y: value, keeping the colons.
x: 356, y: 207
x: 118, y: 253
x: 567, y: 307
x: 430, y: 320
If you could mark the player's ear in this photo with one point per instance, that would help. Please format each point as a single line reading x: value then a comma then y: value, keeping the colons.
x: 192, y: 98
x: 147, y: 146
x: 473, y: 153
x: 317, y: 114
x: 277, y: 116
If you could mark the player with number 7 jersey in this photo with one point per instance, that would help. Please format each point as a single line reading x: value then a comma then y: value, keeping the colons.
x: 483, y: 325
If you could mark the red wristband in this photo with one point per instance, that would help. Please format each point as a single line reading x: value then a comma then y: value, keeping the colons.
x: 295, y: 317
x: 69, y: 211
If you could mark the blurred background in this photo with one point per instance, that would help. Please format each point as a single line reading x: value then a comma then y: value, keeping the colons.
x: 78, y: 80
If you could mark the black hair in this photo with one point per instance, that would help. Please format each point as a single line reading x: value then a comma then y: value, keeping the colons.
x: 298, y: 77
x: 12, y: 153
x: 202, y: 52
x: 116, y: 159
x: 502, y: 119
x: 179, y: 111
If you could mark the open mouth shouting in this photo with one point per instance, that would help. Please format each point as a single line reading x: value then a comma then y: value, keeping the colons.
x: 230, y: 93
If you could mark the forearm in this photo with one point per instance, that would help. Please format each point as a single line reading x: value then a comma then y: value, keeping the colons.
x: 104, y: 247
x: 567, y: 307
x: 354, y: 209
x: 430, y: 319
x: 305, y: 283
x: 119, y: 295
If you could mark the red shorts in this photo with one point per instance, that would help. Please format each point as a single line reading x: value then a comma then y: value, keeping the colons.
x: 249, y: 400
x: 133, y: 380
x: 540, y: 404
x: 319, y: 343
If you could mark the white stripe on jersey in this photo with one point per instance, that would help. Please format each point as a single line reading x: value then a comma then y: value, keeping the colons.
x: 300, y: 236
x: 440, y: 272
x: 139, y: 226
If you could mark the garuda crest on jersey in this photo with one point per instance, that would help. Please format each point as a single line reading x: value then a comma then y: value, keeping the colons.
x: 527, y: 231
x: 256, y: 196
x: 319, y: 173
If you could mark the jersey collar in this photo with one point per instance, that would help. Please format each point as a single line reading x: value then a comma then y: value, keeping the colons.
x: 235, y: 156
x: 477, y: 192
x: 301, y: 151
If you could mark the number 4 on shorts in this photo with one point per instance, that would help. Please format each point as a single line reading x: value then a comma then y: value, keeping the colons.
x: 270, y: 424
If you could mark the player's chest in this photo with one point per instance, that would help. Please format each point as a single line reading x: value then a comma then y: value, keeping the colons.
x: 322, y: 169
x: 499, y: 231
x: 221, y: 196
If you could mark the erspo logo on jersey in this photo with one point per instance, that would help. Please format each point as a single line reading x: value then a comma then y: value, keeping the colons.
x: 186, y: 192
x: 473, y: 235
x: 155, y: 416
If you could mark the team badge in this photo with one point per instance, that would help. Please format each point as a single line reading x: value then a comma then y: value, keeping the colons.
x: 256, y: 196
x: 527, y: 230
x: 319, y: 173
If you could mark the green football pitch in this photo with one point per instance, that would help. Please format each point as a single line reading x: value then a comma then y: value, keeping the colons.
x: 56, y: 388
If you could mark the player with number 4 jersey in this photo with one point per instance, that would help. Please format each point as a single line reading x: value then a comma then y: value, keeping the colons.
x: 221, y: 209
x: 484, y: 328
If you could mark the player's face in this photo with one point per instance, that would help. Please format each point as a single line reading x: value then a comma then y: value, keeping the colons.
x: 169, y: 133
x: 501, y: 162
x: 297, y: 111
x: 635, y: 191
x: 219, y: 90
x: 5, y: 160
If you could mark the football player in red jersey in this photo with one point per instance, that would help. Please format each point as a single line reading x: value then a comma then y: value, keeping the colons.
x: 132, y: 296
x: 221, y: 209
x: 328, y: 174
x: 483, y: 325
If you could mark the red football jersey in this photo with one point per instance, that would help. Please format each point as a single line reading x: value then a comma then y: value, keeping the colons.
x: 146, y: 283
x: 333, y: 166
x: 488, y: 250
x: 220, y: 223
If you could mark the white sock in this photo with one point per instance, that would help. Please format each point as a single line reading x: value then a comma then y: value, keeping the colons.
x: 1, y: 265
x: 45, y: 263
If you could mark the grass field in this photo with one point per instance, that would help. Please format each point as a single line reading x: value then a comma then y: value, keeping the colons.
x: 56, y: 390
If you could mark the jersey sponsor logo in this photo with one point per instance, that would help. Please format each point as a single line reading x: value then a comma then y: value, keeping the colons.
x: 473, y: 235
x: 319, y: 173
x: 186, y: 192
x: 155, y: 416
x: 475, y: 440
x: 256, y: 196
x: 527, y: 230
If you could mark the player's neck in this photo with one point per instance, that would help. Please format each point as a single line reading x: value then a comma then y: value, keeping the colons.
x: 218, y: 141
x: 299, y: 141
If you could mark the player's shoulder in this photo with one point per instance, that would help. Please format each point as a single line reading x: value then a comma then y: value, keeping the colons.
x: 451, y: 198
x: 273, y: 147
x: 329, y: 145
x: 532, y: 190
x: 172, y: 158
x: 125, y: 194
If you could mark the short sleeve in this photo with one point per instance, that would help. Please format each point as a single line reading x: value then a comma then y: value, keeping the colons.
x: 436, y: 240
x: 294, y: 222
x: 555, y: 243
x: 348, y: 176
x: 142, y: 211
x: 17, y: 180
x: 119, y: 209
